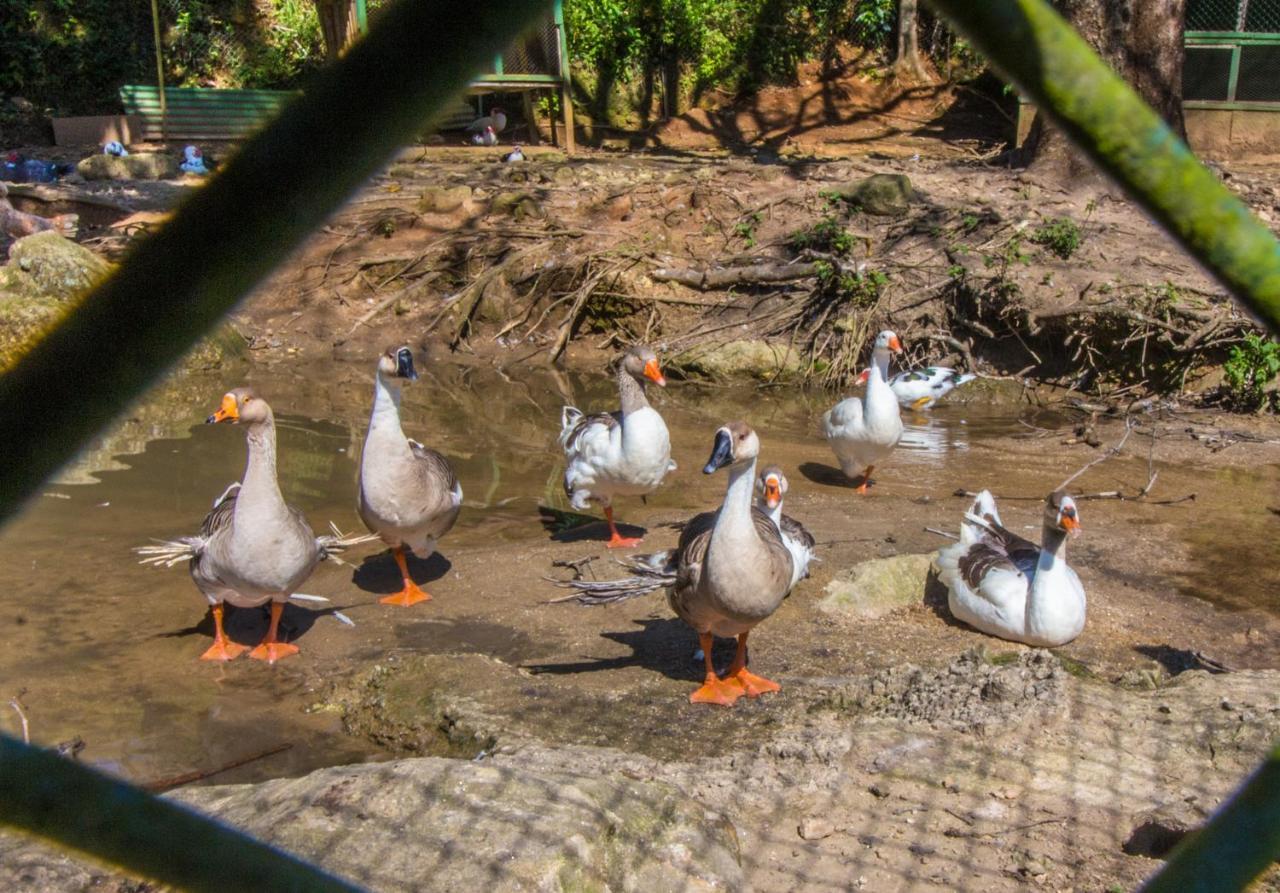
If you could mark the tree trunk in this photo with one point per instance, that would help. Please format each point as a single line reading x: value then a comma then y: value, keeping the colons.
x: 907, y: 65
x: 338, y: 24
x: 1142, y: 41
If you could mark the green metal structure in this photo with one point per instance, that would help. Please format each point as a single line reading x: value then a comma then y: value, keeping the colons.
x: 1232, y: 55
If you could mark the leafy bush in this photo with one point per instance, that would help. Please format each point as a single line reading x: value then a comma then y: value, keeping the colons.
x: 827, y: 235
x: 1060, y: 235
x: 1251, y: 366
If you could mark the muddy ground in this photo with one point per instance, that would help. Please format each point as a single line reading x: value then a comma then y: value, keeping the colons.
x: 905, y: 751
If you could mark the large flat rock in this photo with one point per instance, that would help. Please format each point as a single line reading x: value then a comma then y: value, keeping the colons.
x: 439, y: 824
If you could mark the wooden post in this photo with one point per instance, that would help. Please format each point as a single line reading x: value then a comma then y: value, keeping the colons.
x: 531, y: 117
x: 566, y: 92
x: 164, y: 106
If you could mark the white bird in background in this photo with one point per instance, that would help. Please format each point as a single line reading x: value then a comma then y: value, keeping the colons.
x: 497, y: 119
x: 486, y: 138
x: 921, y: 388
x: 514, y: 155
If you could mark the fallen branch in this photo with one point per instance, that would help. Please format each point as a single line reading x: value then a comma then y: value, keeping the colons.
x: 762, y: 274
x: 173, y: 781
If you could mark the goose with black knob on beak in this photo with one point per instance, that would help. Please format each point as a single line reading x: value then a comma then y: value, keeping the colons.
x: 253, y: 548
x: 623, y: 453
x: 863, y: 431
x: 409, y: 494
x: 730, y: 571
x: 1009, y: 587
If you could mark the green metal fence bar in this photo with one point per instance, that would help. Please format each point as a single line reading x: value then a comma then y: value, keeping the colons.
x: 1237, y: 844
x: 1043, y: 55
x: 43, y: 794
x: 178, y: 283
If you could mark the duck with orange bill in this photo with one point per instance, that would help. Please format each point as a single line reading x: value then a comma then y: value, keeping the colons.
x: 253, y: 548
x: 771, y: 489
x: 919, y: 389
x: 622, y: 453
x: 729, y: 572
x: 1009, y: 587
x: 409, y: 494
x: 863, y: 431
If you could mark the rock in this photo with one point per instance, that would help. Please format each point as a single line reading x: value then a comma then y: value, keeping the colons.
x: 564, y: 176
x: 885, y: 195
x: 517, y: 205
x: 137, y: 166
x: 438, y: 824
x: 1156, y: 831
x: 48, y: 265
x: 815, y: 828
x: 872, y: 589
x: 443, y: 199
x: 618, y: 207
x: 753, y: 358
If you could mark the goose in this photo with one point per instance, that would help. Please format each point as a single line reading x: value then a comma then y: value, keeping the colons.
x: 486, y: 137
x: 252, y: 548
x: 771, y: 487
x: 624, y: 453
x: 408, y: 494
x: 496, y: 121
x: 1008, y: 587
x: 730, y: 571
x: 515, y: 155
x: 919, y: 389
x: 863, y: 432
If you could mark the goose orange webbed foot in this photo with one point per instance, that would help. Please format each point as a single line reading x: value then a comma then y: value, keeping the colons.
x: 224, y: 650
x: 752, y: 685
x: 618, y: 541
x: 273, y: 651
x: 410, y: 595
x: 717, y: 691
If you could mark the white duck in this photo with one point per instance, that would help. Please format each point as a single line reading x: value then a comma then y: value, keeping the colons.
x: 514, y: 156
x: 730, y: 571
x: 624, y: 453
x: 496, y: 121
x: 771, y: 487
x: 409, y: 495
x: 863, y: 431
x: 1004, y: 585
x: 486, y: 137
x: 921, y: 388
x: 253, y: 548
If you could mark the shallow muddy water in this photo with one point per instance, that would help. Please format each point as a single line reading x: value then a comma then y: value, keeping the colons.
x: 104, y: 649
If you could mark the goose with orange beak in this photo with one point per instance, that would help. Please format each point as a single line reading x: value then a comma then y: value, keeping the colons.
x: 623, y: 453
x: 771, y: 488
x: 863, y: 431
x: 1009, y: 587
x: 253, y: 548
x: 729, y: 572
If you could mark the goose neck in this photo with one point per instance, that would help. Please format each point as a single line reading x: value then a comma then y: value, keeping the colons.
x: 631, y: 393
x: 260, y: 482
x: 386, y: 404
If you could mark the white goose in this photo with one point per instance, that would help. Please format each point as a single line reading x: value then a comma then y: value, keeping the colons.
x: 1004, y: 585
x: 863, y: 432
x: 409, y: 495
x: 771, y: 487
x: 921, y: 388
x: 253, y: 548
x: 730, y: 571
x: 624, y: 453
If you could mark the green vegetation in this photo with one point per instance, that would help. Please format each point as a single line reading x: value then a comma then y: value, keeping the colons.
x: 745, y: 229
x: 827, y: 236
x: 1061, y: 235
x: 1252, y: 365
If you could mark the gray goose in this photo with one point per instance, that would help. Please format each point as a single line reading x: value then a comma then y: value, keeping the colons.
x: 730, y: 571
x: 408, y: 494
x: 253, y: 548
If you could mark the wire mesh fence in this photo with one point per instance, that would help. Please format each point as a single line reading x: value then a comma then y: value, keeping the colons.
x: 1233, y: 51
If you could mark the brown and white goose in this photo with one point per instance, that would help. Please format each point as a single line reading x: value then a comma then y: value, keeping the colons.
x: 253, y: 548
x: 771, y: 488
x: 624, y: 453
x: 409, y: 495
x: 730, y: 571
x: 1009, y: 587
